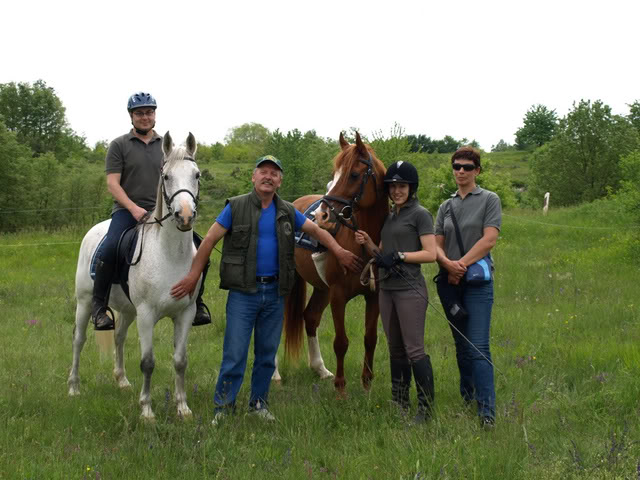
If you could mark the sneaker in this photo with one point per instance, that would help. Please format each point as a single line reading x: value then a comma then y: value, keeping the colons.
x: 487, y: 423
x: 264, y: 414
x: 218, y: 418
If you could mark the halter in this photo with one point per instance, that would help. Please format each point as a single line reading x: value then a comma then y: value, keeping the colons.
x: 168, y: 199
x: 347, y: 212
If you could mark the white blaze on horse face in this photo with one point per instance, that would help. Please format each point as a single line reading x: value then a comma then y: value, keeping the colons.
x: 321, y: 214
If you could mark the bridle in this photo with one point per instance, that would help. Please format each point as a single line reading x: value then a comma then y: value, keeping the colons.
x: 346, y: 214
x: 168, y: 199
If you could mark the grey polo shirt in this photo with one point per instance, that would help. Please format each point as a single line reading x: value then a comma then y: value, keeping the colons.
x: 139, y: 165
x: 479, y: 209
x: 401, y: 232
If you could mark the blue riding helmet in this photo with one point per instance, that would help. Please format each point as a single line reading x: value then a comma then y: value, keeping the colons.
x: 141, y: 99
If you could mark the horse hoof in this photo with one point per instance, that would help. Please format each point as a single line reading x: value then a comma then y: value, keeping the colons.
x: 124, y: 384
x: 185, y: 413
x: 74, y: 391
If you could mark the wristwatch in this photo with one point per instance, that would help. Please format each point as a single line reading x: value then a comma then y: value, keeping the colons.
x: 402, y: 256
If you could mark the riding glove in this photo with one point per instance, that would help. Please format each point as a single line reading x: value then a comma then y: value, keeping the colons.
x: 389, y: 260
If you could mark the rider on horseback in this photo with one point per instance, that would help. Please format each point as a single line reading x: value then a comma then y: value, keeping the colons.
x: 133, y: 166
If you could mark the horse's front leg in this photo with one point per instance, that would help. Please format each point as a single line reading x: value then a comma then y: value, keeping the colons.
x: 340, y: 341
x: 83, y: 311
x: 122, y: 326
x: 146, y: 322
x: 312, y: 316
x: 370, y: 338
x: 181, y: 327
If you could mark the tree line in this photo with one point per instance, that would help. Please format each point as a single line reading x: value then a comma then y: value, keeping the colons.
x: 50, y: 177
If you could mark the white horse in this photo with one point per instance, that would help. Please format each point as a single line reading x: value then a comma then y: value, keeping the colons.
x: 167, y: 250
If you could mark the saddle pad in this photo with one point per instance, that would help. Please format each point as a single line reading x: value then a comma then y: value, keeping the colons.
x: 306, y: 241
x: 124, y: 257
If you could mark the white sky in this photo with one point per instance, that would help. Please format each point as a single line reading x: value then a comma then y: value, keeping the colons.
x: 461, y: 68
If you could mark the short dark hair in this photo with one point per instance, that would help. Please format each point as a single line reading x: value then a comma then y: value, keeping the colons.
x: 467, y: 153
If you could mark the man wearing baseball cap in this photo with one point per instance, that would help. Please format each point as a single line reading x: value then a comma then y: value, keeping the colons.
x: 258, y: 269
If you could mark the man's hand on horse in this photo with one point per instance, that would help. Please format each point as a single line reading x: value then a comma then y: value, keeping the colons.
x: 185, y: 286
x: 349, y: 261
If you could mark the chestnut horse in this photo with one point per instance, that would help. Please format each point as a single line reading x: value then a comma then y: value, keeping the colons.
x: 356, y: 200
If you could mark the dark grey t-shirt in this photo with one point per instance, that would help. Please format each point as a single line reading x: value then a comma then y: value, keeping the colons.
x: 401, y: 232
x: 480, y: 208
x: 139, y: 165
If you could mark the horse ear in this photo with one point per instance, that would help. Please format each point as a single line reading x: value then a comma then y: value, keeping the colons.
x: 167, y: 144
x: 362, y: 149
x: 343, y: 143
x: 192, y: 146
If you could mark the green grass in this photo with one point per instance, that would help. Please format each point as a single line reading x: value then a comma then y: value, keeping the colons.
x: 565, y: 338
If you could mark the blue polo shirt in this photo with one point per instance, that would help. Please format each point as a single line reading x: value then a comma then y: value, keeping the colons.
x: 267, y: 258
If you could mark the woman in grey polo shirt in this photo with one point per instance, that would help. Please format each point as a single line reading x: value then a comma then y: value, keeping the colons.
x: 478, y: 215
x: 407, y: 241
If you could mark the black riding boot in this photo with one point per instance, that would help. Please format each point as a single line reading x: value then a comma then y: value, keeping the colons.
x: 101, y: 289
x: 203, y: 316
x: 423, y: 373
x: 400, y: 383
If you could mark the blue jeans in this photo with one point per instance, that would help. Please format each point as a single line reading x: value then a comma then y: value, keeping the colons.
x: 476, y: 374
x: 120, y: 221
x: 262, y: 311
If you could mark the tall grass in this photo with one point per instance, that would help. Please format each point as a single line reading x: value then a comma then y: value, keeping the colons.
x: 565, y: 339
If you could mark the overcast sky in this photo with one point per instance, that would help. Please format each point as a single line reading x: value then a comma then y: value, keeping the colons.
x: 466, y: 69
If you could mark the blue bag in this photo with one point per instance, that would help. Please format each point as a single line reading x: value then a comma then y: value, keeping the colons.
x: 479, y: 273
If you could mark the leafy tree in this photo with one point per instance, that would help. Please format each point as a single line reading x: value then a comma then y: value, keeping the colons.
x: 448, y: 144
x: 583, y: 160
x: 634, y: 114
x: 540, y: 124
x: 248, y: 134
x: 395, y: 147
x: 502, y: 146
x: 306, y: 159
x: 34, y: 113
x: 14, y: 173
x: 629, y: 196
x: 421, y: 144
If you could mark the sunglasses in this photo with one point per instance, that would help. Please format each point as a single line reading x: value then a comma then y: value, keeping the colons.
x: 467, y: 167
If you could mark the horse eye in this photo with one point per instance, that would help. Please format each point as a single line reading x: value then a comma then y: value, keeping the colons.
x: 354, y: 175
x: 166, y: 176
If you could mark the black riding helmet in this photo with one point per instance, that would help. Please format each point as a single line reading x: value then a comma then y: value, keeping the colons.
x: 402, y: 172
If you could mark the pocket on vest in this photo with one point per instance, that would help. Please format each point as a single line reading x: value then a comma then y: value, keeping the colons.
x: 240, y: 235
x: 232, y: 269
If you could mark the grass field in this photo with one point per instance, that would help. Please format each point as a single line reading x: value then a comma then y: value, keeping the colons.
x: 565, y: 338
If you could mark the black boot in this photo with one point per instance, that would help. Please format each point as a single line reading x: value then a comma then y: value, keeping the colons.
x: 203, y: 316
x: 101, y: 289
x: 400, y: 383
x: 423, y: 373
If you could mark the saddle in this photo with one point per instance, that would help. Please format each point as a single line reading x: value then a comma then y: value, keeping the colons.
x: 306, y: 241
x: 124, y: 258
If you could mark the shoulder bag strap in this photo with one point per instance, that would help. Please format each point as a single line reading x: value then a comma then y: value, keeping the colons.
x: 455, y: 225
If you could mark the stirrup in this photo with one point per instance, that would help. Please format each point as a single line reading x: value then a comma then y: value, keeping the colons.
x: 207, y: 320
x: 108, y: 326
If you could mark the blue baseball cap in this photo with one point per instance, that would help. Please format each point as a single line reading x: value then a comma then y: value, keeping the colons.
x: 269, y: 158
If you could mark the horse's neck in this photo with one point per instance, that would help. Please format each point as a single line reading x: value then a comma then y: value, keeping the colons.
x: 372, y: 219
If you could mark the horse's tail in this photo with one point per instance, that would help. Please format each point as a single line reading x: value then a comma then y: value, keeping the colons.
x: 294, y: 318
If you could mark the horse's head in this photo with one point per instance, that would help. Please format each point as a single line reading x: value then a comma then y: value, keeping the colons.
x: 180, y: 182
x: 357, y: 183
